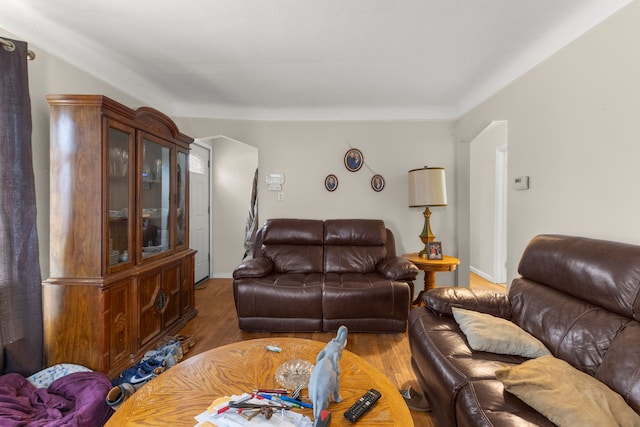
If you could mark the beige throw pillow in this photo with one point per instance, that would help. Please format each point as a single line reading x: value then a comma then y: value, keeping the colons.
x: 485, y: 332
x: 565, y: 395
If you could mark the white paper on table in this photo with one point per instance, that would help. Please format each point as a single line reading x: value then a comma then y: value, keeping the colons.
x: 281, y: 418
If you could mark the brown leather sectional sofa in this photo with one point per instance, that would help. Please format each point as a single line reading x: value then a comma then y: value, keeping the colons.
x: 580, y: 297
x: 315, y: 275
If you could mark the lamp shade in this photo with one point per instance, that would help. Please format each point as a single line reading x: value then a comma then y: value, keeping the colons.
x: 427, y: 187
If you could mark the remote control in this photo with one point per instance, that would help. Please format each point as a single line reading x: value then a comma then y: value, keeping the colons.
x: 363, y: 404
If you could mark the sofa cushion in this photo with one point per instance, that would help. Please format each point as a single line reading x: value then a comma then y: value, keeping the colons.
x: 440, y: 300
x: 572, y: 329
x: 573, y: 264
x: 280, y: 302
x: 289, y: 231
x: 355, y: 232
x: 493, y: 334
x: 383, y: 298
x: 618, y: 370
x: 484, y: 402
x: 293, y: 245
x: 565, y: 395
x: 354, y: 245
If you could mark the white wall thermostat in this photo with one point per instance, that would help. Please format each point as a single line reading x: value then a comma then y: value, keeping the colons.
x: 521, y: 183
x: 274, y: 181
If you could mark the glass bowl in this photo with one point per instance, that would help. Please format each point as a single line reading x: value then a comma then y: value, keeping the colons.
x: 294, y: 373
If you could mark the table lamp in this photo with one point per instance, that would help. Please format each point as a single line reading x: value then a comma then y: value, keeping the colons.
x: 427, y: 187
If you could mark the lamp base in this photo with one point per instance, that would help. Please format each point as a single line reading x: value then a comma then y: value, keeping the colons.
x: 426, y: 236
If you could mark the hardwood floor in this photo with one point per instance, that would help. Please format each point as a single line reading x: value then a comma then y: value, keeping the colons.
x: 481, y: 283
x: 217, y: 324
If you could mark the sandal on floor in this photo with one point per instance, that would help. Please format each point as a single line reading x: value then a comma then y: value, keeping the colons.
x: 187, y: 341
x: 118, y: 394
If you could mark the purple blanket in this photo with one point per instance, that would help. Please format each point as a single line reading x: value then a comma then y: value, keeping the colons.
x: 75, y: 400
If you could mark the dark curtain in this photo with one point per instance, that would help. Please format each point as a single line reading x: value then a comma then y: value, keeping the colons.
x: 20, y: 277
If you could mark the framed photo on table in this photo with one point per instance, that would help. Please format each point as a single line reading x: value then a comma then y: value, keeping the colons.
x: 434, y: 249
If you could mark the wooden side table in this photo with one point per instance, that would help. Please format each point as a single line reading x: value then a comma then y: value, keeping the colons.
x: 430, y: 267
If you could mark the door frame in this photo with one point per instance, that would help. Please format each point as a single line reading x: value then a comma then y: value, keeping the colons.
x: 500, y: 217
x: 201, y: 143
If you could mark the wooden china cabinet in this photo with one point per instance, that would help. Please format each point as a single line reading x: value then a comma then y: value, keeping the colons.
x: 121, y: 268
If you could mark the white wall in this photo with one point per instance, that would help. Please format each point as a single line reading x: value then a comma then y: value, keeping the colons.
x: 233, y: 165
x: 306, y: 152
x: 574, y: 129
x: 482, y: 190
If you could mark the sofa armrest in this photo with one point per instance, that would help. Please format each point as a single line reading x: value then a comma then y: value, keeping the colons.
x: 397, y: 268
x: 440, y: 300
x: 256, y: 267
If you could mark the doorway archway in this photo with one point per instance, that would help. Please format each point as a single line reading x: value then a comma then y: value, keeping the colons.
x: 487, y: 202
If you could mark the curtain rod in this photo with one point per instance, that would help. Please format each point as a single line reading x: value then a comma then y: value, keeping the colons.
x: 10, y: 46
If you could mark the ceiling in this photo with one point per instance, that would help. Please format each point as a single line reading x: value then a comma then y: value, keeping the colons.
x: 305, y: 59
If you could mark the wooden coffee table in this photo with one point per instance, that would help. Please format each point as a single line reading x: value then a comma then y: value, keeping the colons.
x: 176, y: 396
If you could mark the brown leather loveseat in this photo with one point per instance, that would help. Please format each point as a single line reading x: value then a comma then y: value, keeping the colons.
x: 579, y: 297
x: 315, y: 275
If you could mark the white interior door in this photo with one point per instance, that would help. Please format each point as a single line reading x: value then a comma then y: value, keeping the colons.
x: 200, y: 211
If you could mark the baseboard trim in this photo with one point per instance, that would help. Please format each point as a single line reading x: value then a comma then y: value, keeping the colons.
x: 482, y: 274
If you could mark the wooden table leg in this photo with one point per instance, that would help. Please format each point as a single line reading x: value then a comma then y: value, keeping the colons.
x: 429, y: 283
x: 429, y: 280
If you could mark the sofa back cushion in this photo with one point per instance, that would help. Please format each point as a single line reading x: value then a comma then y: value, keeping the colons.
x: 354, y: 245
x: 580, y: 297
x: 604, y: 273
x: 293, y: 245
x: 572, y: 329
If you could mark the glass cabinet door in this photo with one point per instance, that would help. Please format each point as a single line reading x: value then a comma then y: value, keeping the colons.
x: 120, y: 143
x: 155, y: 197
x: 181, y: 189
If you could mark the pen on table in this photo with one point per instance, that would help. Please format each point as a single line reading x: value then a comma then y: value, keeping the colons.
x: 278, y: 399
x: 271, y: 391
x: 240, y: 400
x: 296, y: 402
